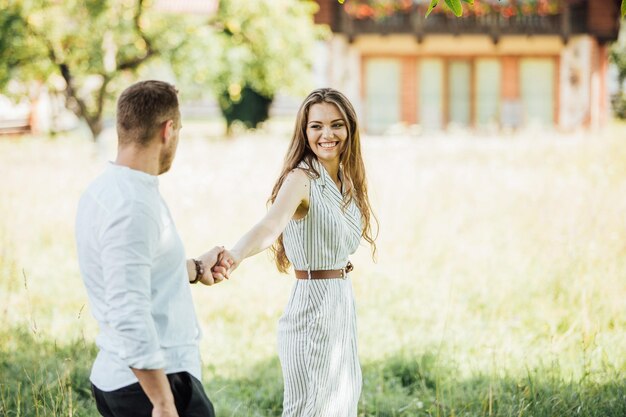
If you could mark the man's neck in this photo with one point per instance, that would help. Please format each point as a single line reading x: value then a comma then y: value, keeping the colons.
x: 145, y: 159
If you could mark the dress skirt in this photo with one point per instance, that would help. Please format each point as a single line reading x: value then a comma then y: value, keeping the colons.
x: 317, y: 347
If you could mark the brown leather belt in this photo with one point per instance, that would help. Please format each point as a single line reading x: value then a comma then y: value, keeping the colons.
x: 326, y: 274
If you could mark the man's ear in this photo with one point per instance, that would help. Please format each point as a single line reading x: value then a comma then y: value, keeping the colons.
x: 167, y: 131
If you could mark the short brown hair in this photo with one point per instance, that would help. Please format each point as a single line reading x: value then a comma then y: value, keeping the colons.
x: 142, y: 108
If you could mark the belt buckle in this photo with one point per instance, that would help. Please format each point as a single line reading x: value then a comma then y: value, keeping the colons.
x: 344, y: 273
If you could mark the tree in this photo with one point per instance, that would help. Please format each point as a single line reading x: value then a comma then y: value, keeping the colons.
x: 246, y: 52
x: 85, y: 46
x: 19, y: 53
x: 250, y: 51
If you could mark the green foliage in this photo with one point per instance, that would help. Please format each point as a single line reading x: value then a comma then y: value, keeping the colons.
x: 42, y: 377
x: 395, y: 387
x: 265, y: 46
x: 81, y: 48
x: 455, y: 6
x: 21, y: 56
x: 90, y: 49
x: 618, y: 102
x: 618, y: 56
x: 433, y: 4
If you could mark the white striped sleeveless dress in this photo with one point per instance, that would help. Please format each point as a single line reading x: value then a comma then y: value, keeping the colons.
x: 317, y: 335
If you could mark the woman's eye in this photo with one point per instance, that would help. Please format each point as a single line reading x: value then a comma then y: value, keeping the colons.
x: 338, y: 125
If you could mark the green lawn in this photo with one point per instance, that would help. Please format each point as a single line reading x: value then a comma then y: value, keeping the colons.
x: 499, y: 288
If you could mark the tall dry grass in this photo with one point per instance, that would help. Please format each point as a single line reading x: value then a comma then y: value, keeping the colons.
x: 500, y: 277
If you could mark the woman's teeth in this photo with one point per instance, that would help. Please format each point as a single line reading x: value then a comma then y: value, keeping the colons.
x: 328, y: 144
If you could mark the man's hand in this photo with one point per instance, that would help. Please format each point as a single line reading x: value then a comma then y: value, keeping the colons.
x: 210, y: 261
x: 218, y: 264
x: 165, y: 411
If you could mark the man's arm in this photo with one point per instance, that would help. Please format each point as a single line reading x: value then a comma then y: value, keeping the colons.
x: 156, y: 386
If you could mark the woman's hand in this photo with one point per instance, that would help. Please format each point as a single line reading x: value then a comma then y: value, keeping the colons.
x: 228, y: 261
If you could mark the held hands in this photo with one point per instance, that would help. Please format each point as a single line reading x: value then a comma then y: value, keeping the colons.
x: 230, y: 258
x: 218, y: 264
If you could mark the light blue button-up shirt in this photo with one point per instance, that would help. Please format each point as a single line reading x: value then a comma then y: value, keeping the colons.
x: 133, y: 265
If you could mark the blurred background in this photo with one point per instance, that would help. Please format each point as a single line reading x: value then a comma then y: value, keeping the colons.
x: 495, y: 153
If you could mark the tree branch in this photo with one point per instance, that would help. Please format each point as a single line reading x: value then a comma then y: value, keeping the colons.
x: 150, y: 50
x: 80, y: 108
x: 101, y: 96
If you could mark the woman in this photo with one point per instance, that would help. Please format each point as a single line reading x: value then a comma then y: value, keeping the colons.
x: 320, y: 211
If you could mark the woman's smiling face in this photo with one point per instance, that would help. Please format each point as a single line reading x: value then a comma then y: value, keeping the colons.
x: 326, y: 131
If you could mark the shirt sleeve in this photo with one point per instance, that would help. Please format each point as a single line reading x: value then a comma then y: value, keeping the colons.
x: 129, y: 242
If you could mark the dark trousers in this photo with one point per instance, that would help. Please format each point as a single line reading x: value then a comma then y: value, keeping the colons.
x: 131, y: 401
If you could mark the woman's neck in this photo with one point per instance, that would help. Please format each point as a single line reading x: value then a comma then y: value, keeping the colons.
x: 332, y: 167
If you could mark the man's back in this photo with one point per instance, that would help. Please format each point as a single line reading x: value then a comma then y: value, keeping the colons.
x: 133, y: 265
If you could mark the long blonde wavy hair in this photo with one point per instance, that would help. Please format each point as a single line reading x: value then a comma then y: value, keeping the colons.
x: 353, y: 168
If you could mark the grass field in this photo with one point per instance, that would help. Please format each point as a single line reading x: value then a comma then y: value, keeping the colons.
x: 499, y: 289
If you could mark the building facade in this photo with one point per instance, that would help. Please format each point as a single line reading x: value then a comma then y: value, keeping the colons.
x: 504, y: 64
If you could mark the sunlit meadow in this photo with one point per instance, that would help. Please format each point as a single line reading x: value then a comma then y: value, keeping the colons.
x: 499, y: 287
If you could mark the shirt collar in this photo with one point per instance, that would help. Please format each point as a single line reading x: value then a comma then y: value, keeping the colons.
x: 134, y: 173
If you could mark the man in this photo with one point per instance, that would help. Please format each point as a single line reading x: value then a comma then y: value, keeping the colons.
x: 134, y: 268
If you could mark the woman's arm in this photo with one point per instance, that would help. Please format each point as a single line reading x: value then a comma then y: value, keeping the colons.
x: 292, y: 194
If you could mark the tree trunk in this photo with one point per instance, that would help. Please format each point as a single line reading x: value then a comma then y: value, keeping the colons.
x: 251, y: 109
x: 95, y: 126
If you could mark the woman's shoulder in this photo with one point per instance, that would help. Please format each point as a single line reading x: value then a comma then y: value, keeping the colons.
x: 298, y: 176
x: 305, y: 165
x: 311, y: 167
x: 305, y: 168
